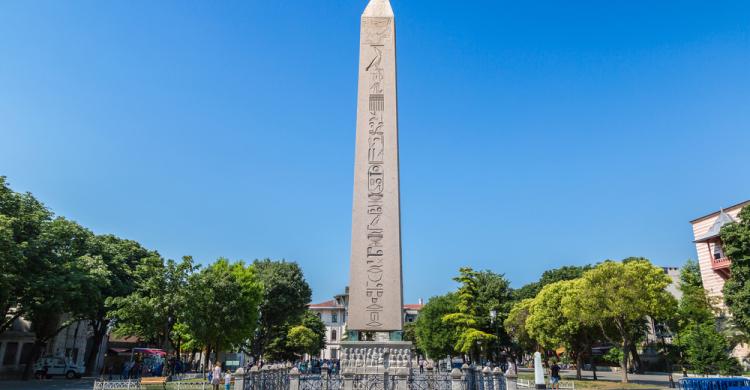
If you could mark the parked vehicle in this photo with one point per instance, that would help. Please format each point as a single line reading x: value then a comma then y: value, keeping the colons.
x: 49, y: 366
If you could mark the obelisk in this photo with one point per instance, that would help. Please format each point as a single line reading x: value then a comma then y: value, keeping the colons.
x: 375, y: 289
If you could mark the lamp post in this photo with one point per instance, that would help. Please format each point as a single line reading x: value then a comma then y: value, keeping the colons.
x: 493, y: 317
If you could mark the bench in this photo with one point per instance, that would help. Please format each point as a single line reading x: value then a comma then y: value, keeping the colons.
x: 154, y: 381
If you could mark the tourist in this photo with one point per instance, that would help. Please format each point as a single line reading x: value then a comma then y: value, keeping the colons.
x: 216, y: 379
x: 421, y: 366
x: 554, y: 376
x: 227, y: 380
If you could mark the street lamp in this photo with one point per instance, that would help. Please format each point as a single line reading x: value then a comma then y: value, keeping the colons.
x: 493, y: 316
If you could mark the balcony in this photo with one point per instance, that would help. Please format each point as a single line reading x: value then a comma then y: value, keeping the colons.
x: 721, y: 266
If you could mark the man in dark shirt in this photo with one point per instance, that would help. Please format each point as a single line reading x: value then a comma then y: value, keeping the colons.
x: 554, y: 376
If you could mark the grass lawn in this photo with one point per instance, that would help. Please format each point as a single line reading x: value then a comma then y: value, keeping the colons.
x: 592, y: 384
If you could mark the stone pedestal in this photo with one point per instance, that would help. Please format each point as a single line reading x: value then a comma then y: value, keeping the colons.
x: 376, y: 357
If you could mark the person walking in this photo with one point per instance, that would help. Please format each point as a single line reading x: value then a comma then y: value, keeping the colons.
x: 227, y: 380
x: 216, y: 380
x: 554, y: 375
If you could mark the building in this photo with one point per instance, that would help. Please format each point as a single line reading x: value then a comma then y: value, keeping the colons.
x: 16, y: 345
x: 334, y: 314
x: 713, y: 263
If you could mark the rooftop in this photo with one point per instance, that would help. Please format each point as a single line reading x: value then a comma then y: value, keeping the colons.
x: 715, y: 213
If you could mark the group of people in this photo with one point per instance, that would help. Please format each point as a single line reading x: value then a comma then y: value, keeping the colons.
x: 136, y: 369
x: 314, y: 366
x: 215, y: 377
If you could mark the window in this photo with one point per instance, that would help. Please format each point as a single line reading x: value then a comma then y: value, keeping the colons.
x: 334, y: 318
x: 11, y: 349
x: 718, y: 252
x: 333, y: 335
x: 334, y: 354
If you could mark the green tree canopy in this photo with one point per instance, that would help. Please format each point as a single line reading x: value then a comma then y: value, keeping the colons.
x: 158, y: 301
x: 286, y: 296
x: 568, y: 272
x: 223, y: 305
x: 622, y: 294
x: 515, y: 324
x: 22, y: 218
x: 707, y: 351
x: 121, y: 259
x: 736, y: 242
x: 433, y: 336
x: 553, y: 326
x: 302, y: 340
x: 467, y: 316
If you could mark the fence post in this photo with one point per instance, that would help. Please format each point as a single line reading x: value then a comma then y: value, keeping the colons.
x: 254, y: 372
x: 402, y: 376
x: 348, y: 380
x: 456, y: 379
x: 324, y: 376
x: 239, y: 379
x: 487, y: 378
x: 497, y: 382
x: 294, y: 379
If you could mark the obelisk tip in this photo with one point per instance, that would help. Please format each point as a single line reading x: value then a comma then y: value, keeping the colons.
x: 378, y: 9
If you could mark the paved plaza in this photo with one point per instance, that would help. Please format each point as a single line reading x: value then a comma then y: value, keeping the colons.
x: 52, y: 384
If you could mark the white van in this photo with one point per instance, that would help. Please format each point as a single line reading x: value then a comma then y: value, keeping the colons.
x: 57, y: 366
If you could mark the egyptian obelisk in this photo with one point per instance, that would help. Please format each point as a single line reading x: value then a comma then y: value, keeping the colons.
x: 375, y: 289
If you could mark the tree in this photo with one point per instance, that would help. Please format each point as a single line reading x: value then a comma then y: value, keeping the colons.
x: 466, y: 317
x: 65, y: 277
x: 735, y: 238
x: 707, y: 351
x: 568, y: 272
x: 494, y: 294
x: 21, y: 220
x: 302, y: 340
x: 515, y: 325
x: 432, y: 335
x: 121, y: 259
x: 158, y: 302
x: 552, y: 325
x: 621, y: 294
x: 286, y: 296
x: 703, y: 347
x: 224, y: 300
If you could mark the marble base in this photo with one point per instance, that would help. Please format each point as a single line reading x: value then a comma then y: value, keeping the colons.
x: 376, y: 357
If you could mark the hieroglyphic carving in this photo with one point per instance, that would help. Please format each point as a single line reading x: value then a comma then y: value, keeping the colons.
x: 375, y: 176
x: 376, y: 30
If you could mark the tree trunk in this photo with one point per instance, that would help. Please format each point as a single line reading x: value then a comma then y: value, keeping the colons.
x: 624, y: 362
x: 637, y: 366
x: 593, y: 367
x: 579, y: 363
x: 100, y: 327
x: 36, y: 353
x: 206, y: 357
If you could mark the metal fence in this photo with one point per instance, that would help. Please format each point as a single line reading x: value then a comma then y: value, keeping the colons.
x: 281, y: 377
x: 136, y: 385
x: 274, y: 377
x: 713, y: 383
x: 469, y: 378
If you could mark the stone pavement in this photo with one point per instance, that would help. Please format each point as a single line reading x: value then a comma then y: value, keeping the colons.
x: 52, y: 384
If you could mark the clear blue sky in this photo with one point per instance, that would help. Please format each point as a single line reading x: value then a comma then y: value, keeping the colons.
x: 533, y: 134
